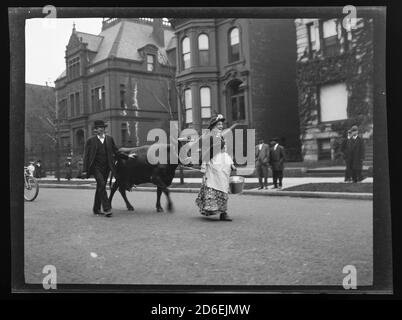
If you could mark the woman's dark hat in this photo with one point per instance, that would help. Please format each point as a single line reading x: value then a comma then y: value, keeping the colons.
x: 100, y: 124
x: 215, y: 120
x: 354, y: 128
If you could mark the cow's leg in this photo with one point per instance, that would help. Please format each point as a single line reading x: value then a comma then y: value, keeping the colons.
x: 158, y: 181
x: 167, y: 194
x: 158, y: 199
x: 123, y: 194
x: 115, y: 185
x: 161, y: 186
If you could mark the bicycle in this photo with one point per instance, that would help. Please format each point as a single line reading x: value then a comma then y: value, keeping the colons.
x: 31, y: 186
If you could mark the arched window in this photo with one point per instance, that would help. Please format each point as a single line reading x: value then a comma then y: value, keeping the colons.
x: 186, y: 52
x: 205, y: 97
x: 203, y: 47
x: 234, y: 45
x: 188, y: 105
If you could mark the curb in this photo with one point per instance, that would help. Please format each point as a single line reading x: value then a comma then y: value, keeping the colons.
x: 282, y: 193
x: 312, y: 194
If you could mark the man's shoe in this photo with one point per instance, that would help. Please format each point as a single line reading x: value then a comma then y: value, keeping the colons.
x: 260, y: 188
x: 108, y: 213
x: 224, y: 217
x: 274, y: 187
x: 97, y: 212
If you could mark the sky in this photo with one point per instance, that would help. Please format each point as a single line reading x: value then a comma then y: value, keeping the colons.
x: 45, y: 45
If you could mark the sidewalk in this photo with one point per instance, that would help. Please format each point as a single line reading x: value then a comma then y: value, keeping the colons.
x: 287, y: 183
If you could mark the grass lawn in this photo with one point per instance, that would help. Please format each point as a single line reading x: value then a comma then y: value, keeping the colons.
x: 334, y: 187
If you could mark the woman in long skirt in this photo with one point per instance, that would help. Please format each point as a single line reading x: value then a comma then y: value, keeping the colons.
x: 213, y: 196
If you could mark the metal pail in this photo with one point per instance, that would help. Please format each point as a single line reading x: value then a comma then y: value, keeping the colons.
x: 236, y: 184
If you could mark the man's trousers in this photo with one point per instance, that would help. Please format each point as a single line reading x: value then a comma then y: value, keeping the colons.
x: 262, y: 172
x: 101, y: 198
x: 277, y: 175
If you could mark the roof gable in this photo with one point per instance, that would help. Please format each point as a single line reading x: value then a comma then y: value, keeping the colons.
x: 73, y: 41
x: 126, y: 38
x: 93, y: 41
x: 77, y: 38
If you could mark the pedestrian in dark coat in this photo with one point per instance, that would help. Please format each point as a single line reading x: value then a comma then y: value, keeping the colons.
x: 38, y: 169
x: 69, y: 169
x: 277, y: 162
x: 355, y: 155
x: 345, y: 151
x: 99, y: 159
x: 261, y: 163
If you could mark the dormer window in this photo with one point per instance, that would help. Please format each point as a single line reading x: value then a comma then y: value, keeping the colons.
x: 74, y: 68
x: 150, y: 62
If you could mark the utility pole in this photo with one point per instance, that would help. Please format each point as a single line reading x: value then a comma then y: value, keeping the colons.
x: 180, y: 116
x: 57, y: 141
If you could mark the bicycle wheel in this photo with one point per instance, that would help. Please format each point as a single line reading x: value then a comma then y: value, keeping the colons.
x: 31, y: 189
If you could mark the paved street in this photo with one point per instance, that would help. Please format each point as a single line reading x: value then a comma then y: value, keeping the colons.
x: 272, y: 241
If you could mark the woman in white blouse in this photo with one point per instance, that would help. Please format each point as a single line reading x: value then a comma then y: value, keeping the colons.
x: 213, y: 196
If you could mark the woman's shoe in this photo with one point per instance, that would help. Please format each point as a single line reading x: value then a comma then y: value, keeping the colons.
x: 224, y: 217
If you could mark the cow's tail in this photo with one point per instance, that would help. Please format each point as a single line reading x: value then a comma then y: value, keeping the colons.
x: 111, y: 174
x: 110, y: 181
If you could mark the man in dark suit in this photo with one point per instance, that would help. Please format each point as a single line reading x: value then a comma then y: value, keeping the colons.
x: 355, y: 155
x: 277, y: 160
x: 345, y: 148
x: 99, y: 159
x: 261, y: 163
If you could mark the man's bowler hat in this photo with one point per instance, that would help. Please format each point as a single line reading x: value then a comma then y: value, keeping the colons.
x: 276, y: 139
x: 215, y: 120
x: 100, y: 124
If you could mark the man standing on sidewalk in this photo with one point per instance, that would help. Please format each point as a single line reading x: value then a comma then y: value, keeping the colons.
x: 277, y: 160
x: 356, y: 155
x: 99, y: 158
x: 345, y: 151
x: 261, y: 163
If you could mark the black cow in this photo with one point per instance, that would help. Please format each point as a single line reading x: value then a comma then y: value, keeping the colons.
x: 138, y: 170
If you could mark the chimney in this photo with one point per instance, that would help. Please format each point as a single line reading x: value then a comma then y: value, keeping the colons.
x: 157, y: 32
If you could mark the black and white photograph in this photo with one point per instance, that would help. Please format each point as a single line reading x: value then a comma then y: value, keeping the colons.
x: 200, y: 150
